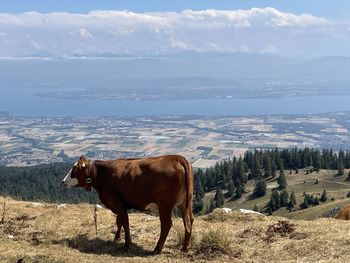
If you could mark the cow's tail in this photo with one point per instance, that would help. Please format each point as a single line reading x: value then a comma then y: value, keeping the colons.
x: 189, y: 181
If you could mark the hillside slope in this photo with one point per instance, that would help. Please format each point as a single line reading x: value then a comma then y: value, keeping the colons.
x: 337, y: 188
x: 49, y: 233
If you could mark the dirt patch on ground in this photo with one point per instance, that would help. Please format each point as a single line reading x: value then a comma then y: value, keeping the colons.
x: 280, y: 229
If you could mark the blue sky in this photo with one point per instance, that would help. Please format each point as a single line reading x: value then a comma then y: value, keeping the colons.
x: 332, y: 9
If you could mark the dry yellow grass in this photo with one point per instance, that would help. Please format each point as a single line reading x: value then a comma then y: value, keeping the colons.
x: 50, y: 234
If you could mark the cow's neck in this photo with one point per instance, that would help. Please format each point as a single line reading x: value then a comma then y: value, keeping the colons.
x: 99, y: 184
x: 95, y: 177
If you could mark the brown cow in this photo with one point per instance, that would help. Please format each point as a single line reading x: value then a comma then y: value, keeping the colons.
x: 344, y: 213
x: 122, y: 184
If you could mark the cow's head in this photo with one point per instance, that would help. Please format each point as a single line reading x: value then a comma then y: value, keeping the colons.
x: 77, y: 176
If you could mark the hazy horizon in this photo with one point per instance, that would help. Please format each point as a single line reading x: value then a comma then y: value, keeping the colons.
x: 63, y: 57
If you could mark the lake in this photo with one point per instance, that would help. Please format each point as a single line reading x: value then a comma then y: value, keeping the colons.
x: 23, y: 102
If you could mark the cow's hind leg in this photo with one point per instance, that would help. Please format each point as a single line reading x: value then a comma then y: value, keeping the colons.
x: 187, y: 217
x: 117, y: 236
x: 165, y: 225
x: 127, y: 230
x: 123, y: 220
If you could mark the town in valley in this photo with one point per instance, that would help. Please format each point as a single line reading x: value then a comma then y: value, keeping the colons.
x: 204, y: 140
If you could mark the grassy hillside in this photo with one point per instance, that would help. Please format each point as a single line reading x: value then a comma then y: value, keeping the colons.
x: 336, y: 186
x: 47, y: 233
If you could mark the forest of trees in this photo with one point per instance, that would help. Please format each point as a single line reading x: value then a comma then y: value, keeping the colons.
x: 232, y: 175
x: 228, y: 178
x: 41, y: 183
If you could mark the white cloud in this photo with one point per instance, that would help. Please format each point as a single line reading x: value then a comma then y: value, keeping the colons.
x: 82, y: 33
x: 121, y: 32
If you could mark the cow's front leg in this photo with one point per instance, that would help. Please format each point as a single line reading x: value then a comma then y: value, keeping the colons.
x: 118, y: 233
x: 123, y: 220
x: 165, y: 225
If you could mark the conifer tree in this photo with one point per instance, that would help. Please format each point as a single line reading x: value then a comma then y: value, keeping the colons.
x: 272, y: 205
x: 340, y: 167
x: 273, y: 169
x: 348, y: 178
x: 293, y: 198
x: 268, y: 168
x: 282, y: 181
x: 198, y: 186
x: 292, y: 201
x: 219, y: 198
x: 284, y: 198
x: 347, y: 160
x: 201, y: 182
x: 230, y: 188
x: 241, y: 174
x: 260, y: 188
x: 249, y: 158
x: 269, y: 209
x: 200, y: 190
x: 304, y: 204
x: 290, y: 205
x: 197, y: 204
x: 210, y: 180
x: 324, y: 196
x: 281, y: 166
x: 275, y: 202
x: 239, y: 191
x: 317, y: 160
x: 256, y: 170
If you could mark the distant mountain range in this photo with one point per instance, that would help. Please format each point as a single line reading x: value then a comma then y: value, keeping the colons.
x: 205, y: 75
x: 223, y: 65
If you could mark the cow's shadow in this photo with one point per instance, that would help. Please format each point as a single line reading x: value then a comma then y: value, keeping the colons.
x: 99, y: 246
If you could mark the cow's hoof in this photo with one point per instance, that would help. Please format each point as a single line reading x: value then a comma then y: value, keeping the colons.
x: 184, y: 249
x: 117, y: 239
x: 157, y: 251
